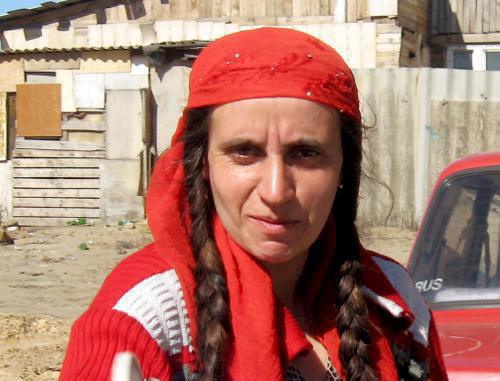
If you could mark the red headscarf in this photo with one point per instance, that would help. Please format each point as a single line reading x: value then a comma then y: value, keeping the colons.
x: 271, y: 62
x: 266, y: 62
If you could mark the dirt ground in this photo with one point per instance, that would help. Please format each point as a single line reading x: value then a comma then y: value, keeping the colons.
x: 49, y: 276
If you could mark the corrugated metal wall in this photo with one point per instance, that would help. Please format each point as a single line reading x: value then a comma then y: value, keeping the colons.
x: 419, y: 119
x: 424, y: 119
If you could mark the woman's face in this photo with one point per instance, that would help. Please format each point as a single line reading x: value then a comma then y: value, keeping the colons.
x: 274, y: 167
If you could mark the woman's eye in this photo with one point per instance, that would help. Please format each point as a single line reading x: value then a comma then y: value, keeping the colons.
x: 244, y: 154
x: 305, y: 153
x: 242, y: 151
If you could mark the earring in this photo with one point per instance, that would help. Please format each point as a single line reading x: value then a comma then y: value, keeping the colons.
x: 341, y: 186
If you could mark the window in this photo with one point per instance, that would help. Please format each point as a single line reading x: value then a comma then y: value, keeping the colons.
x: 474, y: 57
x: 457, y: 260
x: 462, y: 59
x: 493, y: 60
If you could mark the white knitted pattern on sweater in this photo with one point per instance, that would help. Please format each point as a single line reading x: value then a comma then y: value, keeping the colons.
x: 157, y: 303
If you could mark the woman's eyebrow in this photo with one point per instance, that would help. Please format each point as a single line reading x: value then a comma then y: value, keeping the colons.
x: 237, y: 142
x: 306, y: 142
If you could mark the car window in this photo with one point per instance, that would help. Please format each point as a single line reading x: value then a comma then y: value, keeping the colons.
x: 456, y: 258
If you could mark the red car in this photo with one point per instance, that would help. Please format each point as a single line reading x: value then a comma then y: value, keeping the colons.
x: 456, y: 265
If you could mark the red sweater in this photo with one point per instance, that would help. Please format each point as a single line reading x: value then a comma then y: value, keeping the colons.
x: 141, y: 308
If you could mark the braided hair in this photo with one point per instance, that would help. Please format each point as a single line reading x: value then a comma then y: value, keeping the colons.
x: 211, y: 290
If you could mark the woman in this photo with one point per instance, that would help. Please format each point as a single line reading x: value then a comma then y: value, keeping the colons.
x: 257, y: 272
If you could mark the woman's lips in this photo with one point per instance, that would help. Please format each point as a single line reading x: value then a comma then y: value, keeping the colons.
x: 273, y: 226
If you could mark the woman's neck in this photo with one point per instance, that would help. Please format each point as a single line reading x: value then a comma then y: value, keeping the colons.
x: 285, y: 277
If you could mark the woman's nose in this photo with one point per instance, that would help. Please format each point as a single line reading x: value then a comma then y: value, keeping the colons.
x: 276, y: 182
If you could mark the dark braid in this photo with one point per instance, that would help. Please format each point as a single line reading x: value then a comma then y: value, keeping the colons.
x: 211, y: 290
x: 352, y: 318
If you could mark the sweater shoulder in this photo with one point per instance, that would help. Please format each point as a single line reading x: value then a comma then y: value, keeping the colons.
x: 131, y: 271
x: 146, y: 288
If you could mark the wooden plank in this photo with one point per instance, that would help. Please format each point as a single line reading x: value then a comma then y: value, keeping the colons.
x: 288, y: 7
x: 296, y: 8
x: 467, y: 16
x: 478, y: 22
x: 270, y: 8
x: 88, y: 173
x: 324, y: 8
x: 57, y: 183
x: 39, y: 202
x: 58, y: 145
x: 216, y: 8
x: 485, y: 27
x: 498, y: 16
x: 51, y: 163
x: 56, y: 212
x: 352, y: 8
x: 315, y: 7
x: 493, y: 15
x: 472, y: 16
x: 460, y: 15
x: 40, y: 153
x: 226, y: 8
x: 182, y: 9
x: 62, y: 193
x: 279, y: 6
x: 40, y: 222
x: 452, y: 16
x: 235, y: 8
x: 3, y: 126
x: 82, y: 125
x: 259, y: 8
x: 306, y: 7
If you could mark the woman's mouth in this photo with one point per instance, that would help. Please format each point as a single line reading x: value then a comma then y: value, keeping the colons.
x: 273, y: 226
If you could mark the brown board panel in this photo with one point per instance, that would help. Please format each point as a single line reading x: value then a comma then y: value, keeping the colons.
x: 46, y: 202
x: 56, y: 183
x: 57, y: 153
x: 57, y: 193
x: 56, y: 173
x: 38, y: 110
x: 56, y: 163
x: 3, y: 126
x: 56, y: 212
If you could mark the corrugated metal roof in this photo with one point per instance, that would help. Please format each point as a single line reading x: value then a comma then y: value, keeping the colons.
x: 192, y: 44
x: 23, y: 12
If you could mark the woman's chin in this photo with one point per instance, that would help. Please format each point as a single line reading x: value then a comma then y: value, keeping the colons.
x: 274, y: 252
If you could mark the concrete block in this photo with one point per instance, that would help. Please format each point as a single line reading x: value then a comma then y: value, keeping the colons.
x: 86, y: 136
x: 125, y: 81
x: 139, y: 65
x: 162, y: 29
x: 124, y: 115
x: 94, y: 36
x: 204, y: 30
x: 107, y: 61
x: 120, y: 182
x: 190, y: 30
x: 177, y: 30
x: 89, y: 91
x: 6, y: 191
x: 65, y: 78
x: 11, y: 73
x: 170, y: 93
